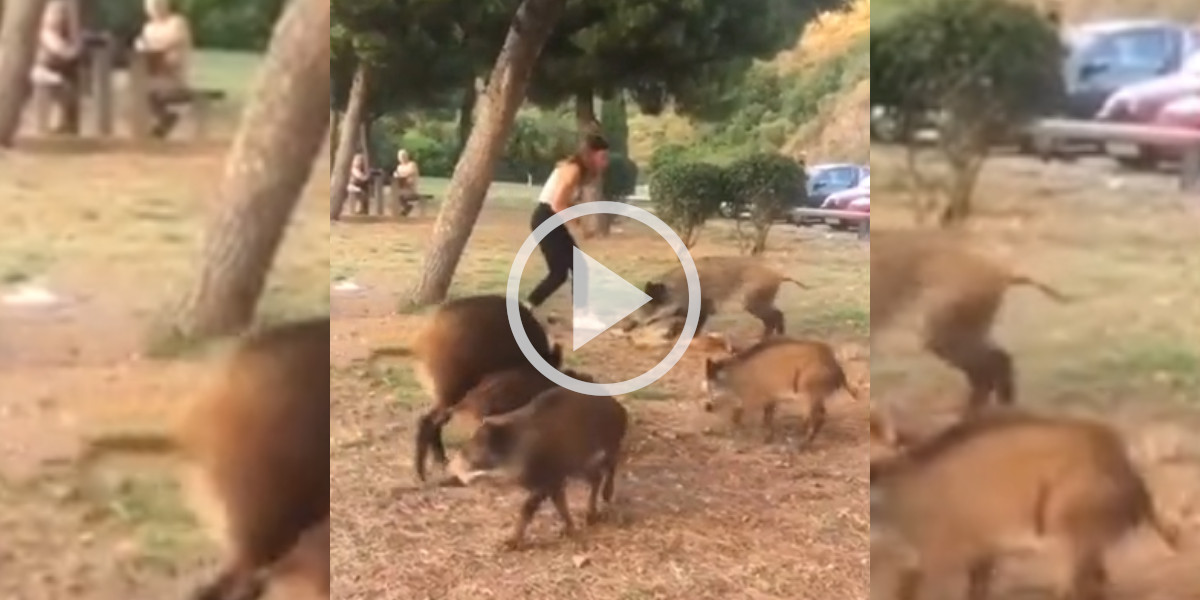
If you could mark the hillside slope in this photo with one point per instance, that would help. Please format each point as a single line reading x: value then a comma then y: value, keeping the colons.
x: 840, y: 129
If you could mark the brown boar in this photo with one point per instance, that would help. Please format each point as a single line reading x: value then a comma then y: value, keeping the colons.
x: 558, y: 436
x: 258, y: 442
x: 995, y: 483
x: 773, y: 371
x: 462, y: 342
x: 723, y: 279
x: 957, y: 292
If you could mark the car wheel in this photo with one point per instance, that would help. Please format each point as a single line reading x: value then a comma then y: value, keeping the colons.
x: 1146, y: 160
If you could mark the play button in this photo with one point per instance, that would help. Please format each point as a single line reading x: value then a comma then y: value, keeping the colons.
x: 599, y: 299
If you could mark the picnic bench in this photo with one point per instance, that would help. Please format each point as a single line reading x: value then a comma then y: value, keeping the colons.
x: 93, y: 80
x: 1048, y: 133
x: 862, y: 221
x: 198, y: 102
x: 381, y: 196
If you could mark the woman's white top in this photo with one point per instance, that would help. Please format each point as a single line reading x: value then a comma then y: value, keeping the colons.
x: 550, y: 187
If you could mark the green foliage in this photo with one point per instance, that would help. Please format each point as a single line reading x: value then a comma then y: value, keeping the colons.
x: 216, y: 24
x: 766, y: 184
x: 986, y: 65
x: 665, y: 156
x: 767, y: 109
x: 539, y: 140
x: 614, y: 118
x: 417, y: 52
x: 663, y: 51
x: 686, y: 195
x: 620, y: 180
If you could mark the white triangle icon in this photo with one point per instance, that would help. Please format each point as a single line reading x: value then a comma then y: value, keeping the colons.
x: 599, y: 299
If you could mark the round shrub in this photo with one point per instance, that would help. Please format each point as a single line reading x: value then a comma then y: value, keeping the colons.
x: 766, y: 184
x: 685, y: 195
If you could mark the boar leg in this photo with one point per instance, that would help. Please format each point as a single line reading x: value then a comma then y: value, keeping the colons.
x: 559, y: 498
x: 816, y: 418
x: 735, y: 416
x: 595, y: 480
x: 769, y: 421
x: 528, y: 509
x: 233, y: 583
x: 979, y: 579
x: 908, y: 584
x: 610, y: 474
x: 958, y: 331
x: 1089, y: 578
x: 762, y: 306
x: 429, y: 436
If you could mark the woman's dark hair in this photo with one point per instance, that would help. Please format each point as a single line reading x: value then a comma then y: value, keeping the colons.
x: 592, y: 142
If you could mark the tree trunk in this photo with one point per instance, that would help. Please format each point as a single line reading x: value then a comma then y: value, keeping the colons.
x: 343, y: 156
x: 597, y: 225
x: 331, y: 139
x: 498, y: 107
x: 18, y: 46
x: 466, y: 115
x: 270, y: 161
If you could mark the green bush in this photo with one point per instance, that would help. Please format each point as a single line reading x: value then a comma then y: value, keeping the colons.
x: 989, y: 64
x: 766, y: 184
x: 620, y: 180
x: 686, y: 195
x: 665, y: 155
x: 985, y: 68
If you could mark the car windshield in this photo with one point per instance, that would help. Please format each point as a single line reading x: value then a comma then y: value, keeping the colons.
x: 832, y: 178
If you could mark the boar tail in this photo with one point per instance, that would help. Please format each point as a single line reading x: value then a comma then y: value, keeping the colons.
x: 795, y: 281
x: 135, y: 444
x: 1015, y: 280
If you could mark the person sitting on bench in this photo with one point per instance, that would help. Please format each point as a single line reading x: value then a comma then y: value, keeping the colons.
x: 56, y: 65
x: 360, y: 184
x: 406, y: 177
x: 166, y: 45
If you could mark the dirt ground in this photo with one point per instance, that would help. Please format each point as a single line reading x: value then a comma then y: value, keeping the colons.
x: 1127, y: 349
x: 700, y: 512
x: 112, y: 234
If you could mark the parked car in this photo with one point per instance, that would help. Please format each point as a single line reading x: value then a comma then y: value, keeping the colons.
x: 849, y: 200
x: 1103, y: 57
x: 826, y: 180
x: 1154, y: 101
x: 1141, y: 102
x: 1182, y: 113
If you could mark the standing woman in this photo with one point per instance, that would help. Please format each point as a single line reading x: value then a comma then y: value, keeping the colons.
x: 562, y: 190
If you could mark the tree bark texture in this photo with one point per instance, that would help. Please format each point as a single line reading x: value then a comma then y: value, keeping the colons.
x: 347, y: 143
x: 598, y: 225
x: 18, y: 45
x: 332, y: 137
x: 270, y: 161
x: 466, y: 114
x: 498, y: 105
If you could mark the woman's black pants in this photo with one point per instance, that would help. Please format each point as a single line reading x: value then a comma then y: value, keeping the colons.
x: 557, y: 248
